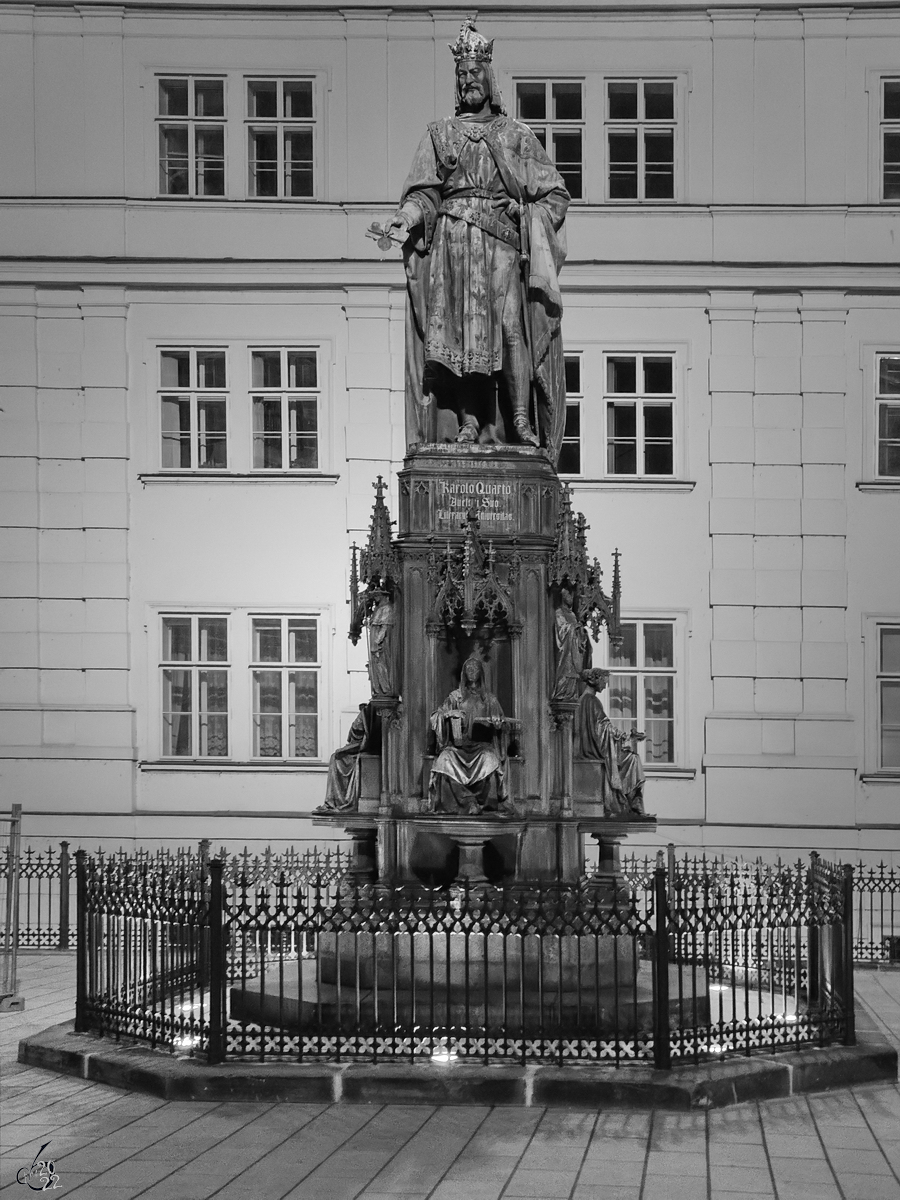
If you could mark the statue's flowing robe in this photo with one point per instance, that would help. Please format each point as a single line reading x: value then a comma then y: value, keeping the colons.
x: 463, y: 261
x: 623, y: 773
x: 343, y: 785
x: 381, y: 649
x: 468, y: 772
x: 573, y: 653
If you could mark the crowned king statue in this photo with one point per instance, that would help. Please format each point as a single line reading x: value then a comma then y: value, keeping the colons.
x: 481, y: 225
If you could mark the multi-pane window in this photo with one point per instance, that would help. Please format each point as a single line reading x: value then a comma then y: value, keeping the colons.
x: 640, y: 132
x: 639, y: 402
x: 889, y: 697
x: 285, y: 687
x: 887, y: 403
x: 194, y: 668
x: 191, y: 122
x: 285, y: 402
x: 193, y: 409
x: 280, y: 132
x: 890, y: 139
x: 642, y: 686
x: 570, y: 451
x: 554, y: 110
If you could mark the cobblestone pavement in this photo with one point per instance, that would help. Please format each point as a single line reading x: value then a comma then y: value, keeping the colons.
x: 110, y: 1144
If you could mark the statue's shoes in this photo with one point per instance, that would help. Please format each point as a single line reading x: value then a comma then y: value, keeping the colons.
x: 525, y: 432
x: 468, y: 433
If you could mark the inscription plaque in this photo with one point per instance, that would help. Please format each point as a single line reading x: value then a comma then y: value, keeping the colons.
x: 494, y: 501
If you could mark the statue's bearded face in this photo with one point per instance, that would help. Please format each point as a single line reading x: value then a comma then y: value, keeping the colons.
x: 472, y: 83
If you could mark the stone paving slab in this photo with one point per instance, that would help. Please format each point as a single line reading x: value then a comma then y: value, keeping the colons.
x: 841, y: 1145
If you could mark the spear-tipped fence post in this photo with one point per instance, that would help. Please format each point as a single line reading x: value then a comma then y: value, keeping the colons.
x: 64, y: 877
x: 662, y: 1050
x: 849, y: 998
x: 81, y: 959
x: 217, y: 980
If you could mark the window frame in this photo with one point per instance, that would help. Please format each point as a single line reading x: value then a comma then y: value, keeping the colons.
x: 642, y: 124
x: 281, y: 125
x: 886, y: 125
x: 871, y: 625
x: 575, y: 401
x: 195, y: 396
x: 193, y: 124
x: 641, y: 399
x: 551, y: 125
x: 679, y: 621
x: 195, y: 665
x: 880, y: 400
x: 285, y: 667
x: 285, y: 394
x: 239, y: 664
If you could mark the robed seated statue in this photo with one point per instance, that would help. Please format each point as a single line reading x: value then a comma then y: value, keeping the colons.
x: 342, y: 791
x: 468, y: 776
x: 596, y: 738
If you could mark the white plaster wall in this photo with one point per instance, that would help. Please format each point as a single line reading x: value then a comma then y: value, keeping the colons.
x: 772, y: 278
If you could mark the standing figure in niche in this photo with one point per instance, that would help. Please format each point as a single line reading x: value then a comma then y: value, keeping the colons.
x: 481, y: 224
x: 468, y: 777
x: 382, y: 668
x: 597, y: 738
x: 573, y: 649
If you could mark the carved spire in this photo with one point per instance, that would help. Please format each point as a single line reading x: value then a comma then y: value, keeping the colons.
x: 375, y: 569
x: 570, y: 568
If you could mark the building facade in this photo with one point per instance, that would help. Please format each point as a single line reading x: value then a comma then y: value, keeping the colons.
x: 202, y: 375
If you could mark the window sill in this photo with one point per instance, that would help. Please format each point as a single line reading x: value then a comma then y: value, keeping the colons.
x: 631, y: 485
x: 892, y: 777
x: 878, y: 485
x: 146, y: 477
x: 207, y: 764
x: 670, y: 772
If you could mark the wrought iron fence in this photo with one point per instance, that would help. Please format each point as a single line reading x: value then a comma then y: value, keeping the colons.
x: 46, y: 878
x: 207, y: 959
x: 10, y: 830
x: 877, y: 915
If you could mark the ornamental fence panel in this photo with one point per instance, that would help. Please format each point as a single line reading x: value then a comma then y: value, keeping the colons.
x: 46, y: 880
x: 205, y: 958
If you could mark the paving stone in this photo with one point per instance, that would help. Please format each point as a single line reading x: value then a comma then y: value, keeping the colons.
x: 870, y: 1187
x: 861, y: 1162
x: 801, y: 1170
x: 677, y: 1162
x: 737, y: 1154
x: 542, y: 1185
x: 782, y: 1145
x: 754, y: 1179
x: 614, y: 1192
x: 627, y: 1173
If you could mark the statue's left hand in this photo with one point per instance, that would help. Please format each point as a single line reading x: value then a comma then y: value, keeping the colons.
x: 512, y: 207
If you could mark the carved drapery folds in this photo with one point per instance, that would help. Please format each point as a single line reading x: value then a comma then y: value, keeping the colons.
x: 473, y: 586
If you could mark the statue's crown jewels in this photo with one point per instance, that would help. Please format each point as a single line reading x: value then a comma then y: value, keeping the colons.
x: 471, y: 45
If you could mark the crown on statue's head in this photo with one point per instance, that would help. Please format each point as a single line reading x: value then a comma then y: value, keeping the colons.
x: 471, y: 45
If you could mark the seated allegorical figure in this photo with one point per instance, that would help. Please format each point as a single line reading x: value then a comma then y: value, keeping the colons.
x: 597, y: 738
x: 468, y: 776
x: 344, y: 767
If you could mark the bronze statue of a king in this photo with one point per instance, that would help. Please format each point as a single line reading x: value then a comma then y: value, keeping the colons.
x: 481, y: 225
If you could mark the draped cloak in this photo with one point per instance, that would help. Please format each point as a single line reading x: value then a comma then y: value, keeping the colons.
x: 468, y: 773
x: 623, y: 773
x: 463, y: 262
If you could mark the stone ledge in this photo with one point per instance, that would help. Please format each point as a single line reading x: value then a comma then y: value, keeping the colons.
x: 733, y: 1081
